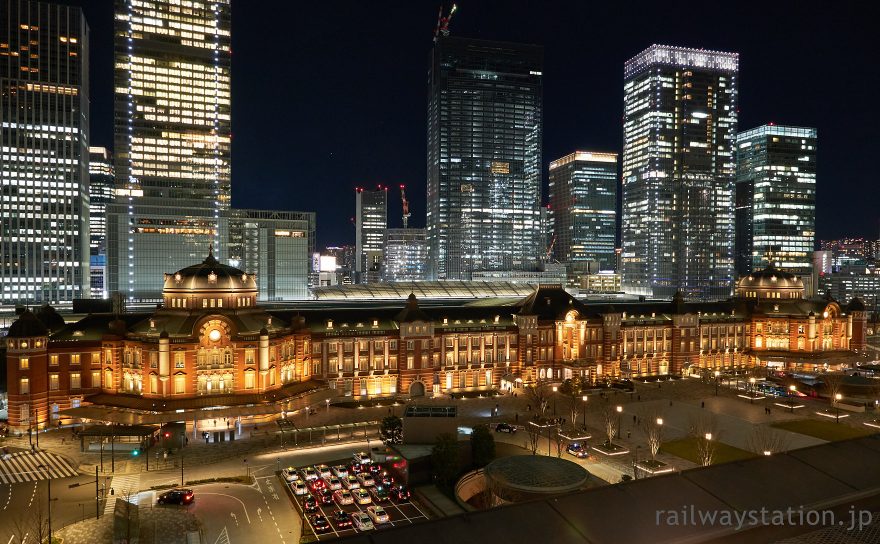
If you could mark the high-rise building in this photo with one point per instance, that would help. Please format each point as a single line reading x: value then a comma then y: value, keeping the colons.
x: 371, y: 220
x: 851, y: 251
x: 405, y: 256
x: 172, y: 139
x: 583, y: 204
x: 276, y: 247
x: 44, y: 127
x: 102, y: 183
x: 678, y: 169
x: 776, y: 199
x: 485, y: 109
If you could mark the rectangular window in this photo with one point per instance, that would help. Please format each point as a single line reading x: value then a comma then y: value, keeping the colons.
x: 53, y: 382
x: 180, y: 384
x: 96, y: 378
x: 74, y: 359
x: 410, y: 362
x: 154, y: 359
x: 24, y: 363
x: 179, y: 360
x: 53, y: 360
x: 75, y: 380
x: 249, y: 380
x: 249, y: 356
x: 96, y: 358
x: 24, y: 386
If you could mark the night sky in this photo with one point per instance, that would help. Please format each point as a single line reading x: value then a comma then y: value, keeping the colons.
x: 331, y: 95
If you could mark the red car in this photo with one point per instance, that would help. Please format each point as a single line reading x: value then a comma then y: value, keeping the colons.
x: 316, y: 485
x: 400, y: 493
x: 324, y: 496
x: 310, y: 505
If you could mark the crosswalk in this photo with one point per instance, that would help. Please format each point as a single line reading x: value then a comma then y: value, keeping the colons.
x: 25, y: 466
x: 123, y: 486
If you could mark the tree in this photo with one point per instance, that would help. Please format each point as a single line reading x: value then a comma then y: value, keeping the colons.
x: 832, y: 381
x: 652, y: 424
x: 572, y: 389
x: 766, y: 441
x: 533, y: 437
x: 482, y: 446
x: 391, y: 430
x: 444, y: 458
x: 609, y: 418
x: 705, y: 431
x: 539, y: 396
x: 31, y: 524
x: 560, y: 442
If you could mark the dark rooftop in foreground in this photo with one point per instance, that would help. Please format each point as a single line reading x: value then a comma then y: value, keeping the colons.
x: 836, y: 476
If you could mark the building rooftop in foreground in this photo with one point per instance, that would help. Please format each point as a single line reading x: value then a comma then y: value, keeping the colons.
x: 836, y: 476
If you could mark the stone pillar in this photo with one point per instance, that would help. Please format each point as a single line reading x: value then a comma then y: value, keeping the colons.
x: 164, y: 360
x: 264, y: 355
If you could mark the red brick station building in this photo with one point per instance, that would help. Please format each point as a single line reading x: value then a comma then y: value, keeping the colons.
x: 211, y: 351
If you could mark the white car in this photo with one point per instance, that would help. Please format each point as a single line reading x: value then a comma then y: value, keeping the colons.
x: 290, y: 474
x: 362, y: 522
x: 299, y: 488
x: 362, y: 458
x: 309, y: 473
x: 350, y: 482
x: 377, y: 514
x: 362, y: 496
x: 323, y: 471
x: 340, y: 471
x: 333, y: 483
x: 343, y: 497
x: 365, y: 479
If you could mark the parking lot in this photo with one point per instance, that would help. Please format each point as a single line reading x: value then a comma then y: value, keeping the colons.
x: 399, y: 512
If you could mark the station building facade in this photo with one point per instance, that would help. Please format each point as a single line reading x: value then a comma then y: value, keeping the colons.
x: 210, y: 345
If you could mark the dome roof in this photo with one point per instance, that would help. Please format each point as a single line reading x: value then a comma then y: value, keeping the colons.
x: 26, y: 326
x: 50, y: 318
x: 210, y: 275
x: 771, y: 277
x: 855, y: 305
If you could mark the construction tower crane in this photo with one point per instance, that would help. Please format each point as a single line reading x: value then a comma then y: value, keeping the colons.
x: 443, y: 22
x: 405, y: 202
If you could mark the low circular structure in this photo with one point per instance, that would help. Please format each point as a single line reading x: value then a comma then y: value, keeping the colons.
x: 209, y: 284
x: 770, y: 283
x: 523, y: 477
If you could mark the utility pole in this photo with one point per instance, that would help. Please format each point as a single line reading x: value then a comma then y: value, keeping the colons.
x: 97, y: 497
x: 181, y: 457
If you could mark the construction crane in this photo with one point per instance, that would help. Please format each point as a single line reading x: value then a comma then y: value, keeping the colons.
x: 443, y: 22
x: 405, y: 202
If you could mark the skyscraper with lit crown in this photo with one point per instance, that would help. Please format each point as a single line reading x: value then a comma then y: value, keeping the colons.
x: 172, y: 139
x: 678, y: 172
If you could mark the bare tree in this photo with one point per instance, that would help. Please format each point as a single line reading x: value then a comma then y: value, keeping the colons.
x: 609, y: 419
x: 572, y: 389
x: 833, y: 381
x: 652, y: 425
x: 31, y: 525
x: 533, y: 436
x: 560, y: 442
x: 766, y: 441
x: 539, y: 396
x: 705, y: 431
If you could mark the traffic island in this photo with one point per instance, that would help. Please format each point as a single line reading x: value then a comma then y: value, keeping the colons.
x: 653, y: 466
x: 610, y: 449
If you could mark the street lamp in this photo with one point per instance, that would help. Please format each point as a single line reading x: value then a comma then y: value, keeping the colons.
x: 717, y: 374
x: 752, y: 390
x: 708, y: 436
x: 619, y: 412
x: 585, y: 398
x: 791, y: 392
x: 327, y: 401
x: 555, y: 389
x: 838, y: 397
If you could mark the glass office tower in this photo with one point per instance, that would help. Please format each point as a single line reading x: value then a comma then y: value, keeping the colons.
x: 485, y: 103
x: 102, y: 183
x: 405, y: 256
x: 172, y: 140
x: 776, y: 198
x: 275, y: 246
x: 678, y: 171
x: 583, y: 207
x: 371, y: 220
x: 44, y: 183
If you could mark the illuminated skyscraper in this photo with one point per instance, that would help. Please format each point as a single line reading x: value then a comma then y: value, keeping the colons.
x: 678, y: 168
x: 44, y: 122
x: 485, y: 109
x: 172, y: 139
x: 776, y: 199
x: 101, y: 189
x: 371, y: 220
x: 405, y: 256
x: 583, y: 205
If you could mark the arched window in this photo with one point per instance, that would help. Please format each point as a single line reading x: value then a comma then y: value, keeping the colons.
x: 227, y: 357
x: 759, y: 341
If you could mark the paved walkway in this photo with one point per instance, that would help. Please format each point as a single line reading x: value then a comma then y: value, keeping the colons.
x: 157, y: 526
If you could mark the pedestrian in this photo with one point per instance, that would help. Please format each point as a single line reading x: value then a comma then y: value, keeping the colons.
x: 516, y: 417
x: 670, y: 403
x: 628, y: 434
x: 528, y: 407
x: 639, y: 397
x: 634, y: 419
x: 702, y: 404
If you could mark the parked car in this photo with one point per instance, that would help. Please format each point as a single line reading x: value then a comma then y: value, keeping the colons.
x: 340, y: 471
x: 333, y: 483
x: 385, y: 480
x: 343, y: 497
x: 323, y: 471
x: 350, y: 482
x: 505, y: 428
x: 290, y: 474
x: 342, y: 519
x: 299, y: 488
x: 320, y: 524
x: 365, y: 479
x: 380, y: 493
x: 308, y: 473
x: 375, y: 469
x: 362, y: 522
x: 362, y: 458
x: 177, y: 496
x: 325, y: 496
x: 310, y: 505
x: 400, y: 493
x: 377, y: 514
x: 578, y: 450
x: 316, y: 485
x: 362, y: 496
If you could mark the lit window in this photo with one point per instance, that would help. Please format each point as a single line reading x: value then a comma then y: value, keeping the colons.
x: 24, y: 386
x: 53, y: 382
x: 24, y: 363
x: 53, y: 360
x: 75, y: 380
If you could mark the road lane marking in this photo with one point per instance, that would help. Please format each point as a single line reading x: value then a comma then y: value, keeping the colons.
x: 231, y: 497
